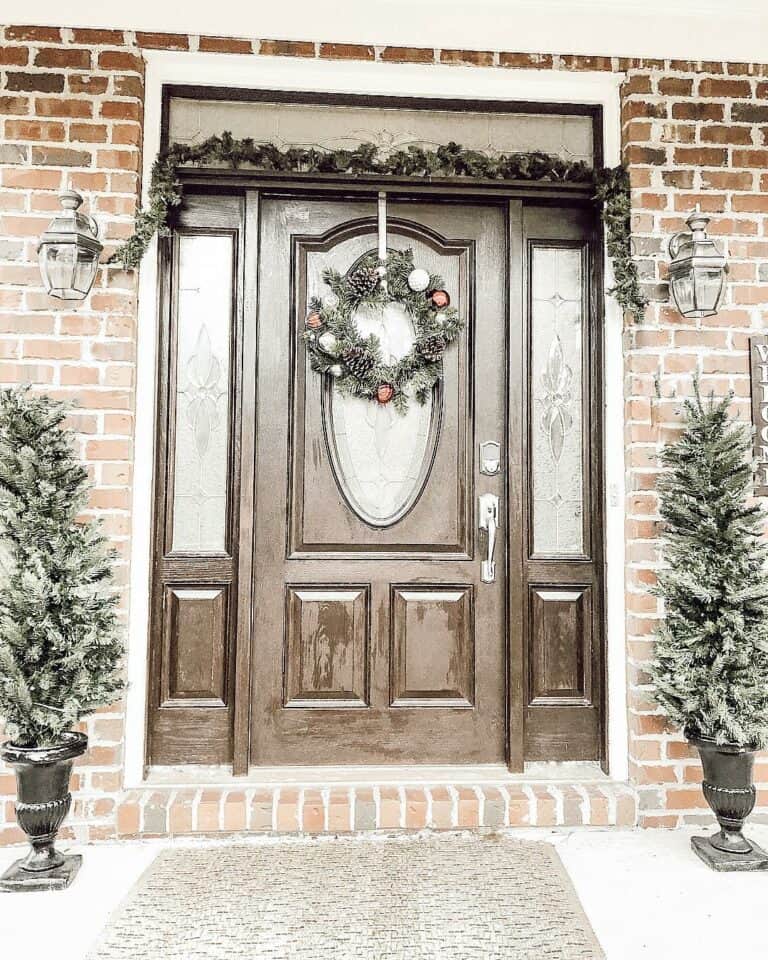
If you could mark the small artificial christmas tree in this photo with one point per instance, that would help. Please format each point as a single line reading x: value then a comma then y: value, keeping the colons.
x: 60, y: 650
x: 710, y: 669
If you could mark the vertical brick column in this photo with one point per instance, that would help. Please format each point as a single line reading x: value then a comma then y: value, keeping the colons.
x: 71, y: 104
x: 693, y: 133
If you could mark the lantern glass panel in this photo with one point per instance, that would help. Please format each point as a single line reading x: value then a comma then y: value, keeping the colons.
x: 709, y: 287
x: 68, y: 269
x: 683, y: 292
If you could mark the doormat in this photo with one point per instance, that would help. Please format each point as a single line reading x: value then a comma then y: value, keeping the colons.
x: 460, y: 897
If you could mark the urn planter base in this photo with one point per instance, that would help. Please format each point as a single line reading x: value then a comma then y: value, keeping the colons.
x: 17, y: 879
x: 726, y: 861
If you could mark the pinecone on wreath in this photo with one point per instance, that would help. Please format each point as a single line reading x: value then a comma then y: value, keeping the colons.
x: 431, y: 348
x: 363, y: 281
x: 358, y: 361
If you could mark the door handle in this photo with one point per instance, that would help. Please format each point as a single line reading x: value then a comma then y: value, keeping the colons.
x: 489, y: 521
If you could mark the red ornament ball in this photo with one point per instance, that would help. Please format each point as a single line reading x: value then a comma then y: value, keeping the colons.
x: 384, y: 393
x: 439, y: 298
x: 314, y: 321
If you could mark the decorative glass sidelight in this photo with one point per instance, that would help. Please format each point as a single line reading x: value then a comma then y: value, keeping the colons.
x: 201, y: 447
x: 381, y: 458
x: 557, y: 459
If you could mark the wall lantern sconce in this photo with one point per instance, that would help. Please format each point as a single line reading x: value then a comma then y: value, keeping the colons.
x: 69, y: 250
x: 697, y: 269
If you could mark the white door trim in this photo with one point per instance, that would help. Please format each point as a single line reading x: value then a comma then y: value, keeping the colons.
x: 415, y: 80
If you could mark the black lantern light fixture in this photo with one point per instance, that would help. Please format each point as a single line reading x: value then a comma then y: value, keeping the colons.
x: 69, y: 250
x: 697, y: 269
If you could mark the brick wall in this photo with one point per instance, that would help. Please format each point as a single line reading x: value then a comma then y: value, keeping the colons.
x: 71, y: 109
x: 692, y: 133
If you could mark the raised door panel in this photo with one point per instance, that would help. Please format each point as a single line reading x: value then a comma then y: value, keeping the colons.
x: 433, y: 650
x: 560, y: 645
x: 194, y: 651
x: 326, y: 647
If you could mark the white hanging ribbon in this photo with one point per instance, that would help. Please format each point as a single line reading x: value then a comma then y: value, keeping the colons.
x: 382, y: 226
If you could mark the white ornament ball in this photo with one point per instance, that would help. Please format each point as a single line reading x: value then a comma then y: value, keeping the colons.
x: 381, y: 270
x: 327, y: 342
x: 418, y: 280
x: 440, y: 319
x: 335, y: 370
x: 330, y: 302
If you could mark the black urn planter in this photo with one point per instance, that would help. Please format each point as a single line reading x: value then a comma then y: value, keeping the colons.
x: 42, y: 803
x: 730, y: 792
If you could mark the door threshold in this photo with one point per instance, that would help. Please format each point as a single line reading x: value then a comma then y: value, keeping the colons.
x: 186, y: 775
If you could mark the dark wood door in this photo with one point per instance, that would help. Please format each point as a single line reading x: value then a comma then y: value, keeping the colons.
x: 317, y: 593
x: 375, y: 639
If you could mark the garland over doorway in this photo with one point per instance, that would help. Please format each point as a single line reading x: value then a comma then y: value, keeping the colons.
x: 611, y: 186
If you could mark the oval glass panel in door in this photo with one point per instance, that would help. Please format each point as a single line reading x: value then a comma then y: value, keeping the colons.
x: 381, y: 458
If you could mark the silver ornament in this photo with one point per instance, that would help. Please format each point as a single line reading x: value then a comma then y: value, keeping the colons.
x: 327, y: 342
x: 418, y: 280
x: 381, y: 270
x: 335, y: 370
x: 330, y: 302
x: 440, y: 319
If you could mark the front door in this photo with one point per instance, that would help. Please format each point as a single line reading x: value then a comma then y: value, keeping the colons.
x: 376, y: 639
x: 318, y: 592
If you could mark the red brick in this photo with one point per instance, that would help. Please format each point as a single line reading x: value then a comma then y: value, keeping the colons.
x: 41, y: 34
x: 477, y: 58
x: 579, y: 62
x: 40, y: 82
x: 14, y: 106
x: 706, y: 156
x: 60, y: 157
x: 88, y: 133
x: 93, y: 86
x: 120, y: 60
x: 98, y: 37
x: 288, y: 810
x: 57, y: 107
x: 525, y: 61
x: 120, y: 110
x: 339, y: 811
x: 224, y: 45
x: 715, y: 87
x: 313, y: 814
x: 696, y: 110
x: 724, y: 134
x: 647, y: 155
x: 128, y: 86
x: 415, y: 808
x: 346, y: 51
x: 407, y: 54
x: 72, y: 57
x: 163, y: 41
x: 33, y: 130
x: 469, y: 808
x: 676, y: 86
x: 287, y: 48
x: 26, y: 179
x: 14, y: 56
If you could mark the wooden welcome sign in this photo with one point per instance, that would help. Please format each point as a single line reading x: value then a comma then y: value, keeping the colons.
x: 758, y: 366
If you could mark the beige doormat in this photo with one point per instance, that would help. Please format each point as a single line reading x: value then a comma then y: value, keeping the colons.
x: 458, y: 897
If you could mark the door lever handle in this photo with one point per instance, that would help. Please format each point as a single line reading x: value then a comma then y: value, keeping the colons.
x: 489, y: 520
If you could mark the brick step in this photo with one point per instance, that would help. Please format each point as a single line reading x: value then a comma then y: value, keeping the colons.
x: 340, y: 809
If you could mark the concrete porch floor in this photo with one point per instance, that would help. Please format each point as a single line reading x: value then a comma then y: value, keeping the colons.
x: 645, y: 892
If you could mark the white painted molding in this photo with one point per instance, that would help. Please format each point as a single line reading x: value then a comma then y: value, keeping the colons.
x: 684, y: 29
x: 376, y: 78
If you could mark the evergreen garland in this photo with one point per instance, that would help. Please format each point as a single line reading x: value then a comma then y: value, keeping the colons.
x: 449, y: 160
x: 356, y: 363
x: 710, y: 668
x: 59, y: 646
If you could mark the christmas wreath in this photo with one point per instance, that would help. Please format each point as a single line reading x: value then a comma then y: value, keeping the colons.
x: 358, y: 364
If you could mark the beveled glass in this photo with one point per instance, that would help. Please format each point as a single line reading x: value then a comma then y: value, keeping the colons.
x: 201, y: 445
